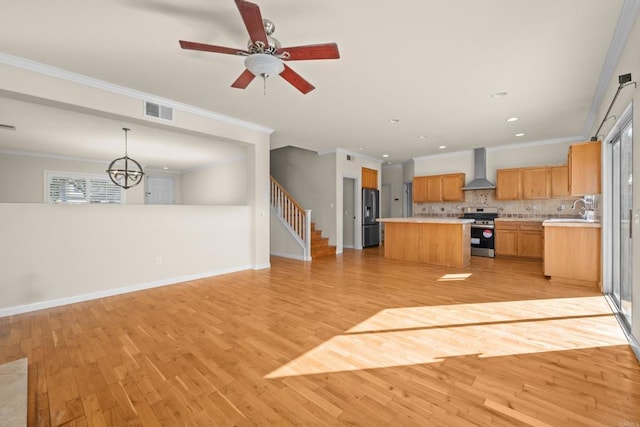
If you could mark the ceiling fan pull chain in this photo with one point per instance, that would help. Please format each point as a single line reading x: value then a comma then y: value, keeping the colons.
x: 264, y: 80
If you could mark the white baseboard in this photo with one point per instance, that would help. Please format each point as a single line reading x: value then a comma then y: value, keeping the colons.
x: 291, y: 256
x: 10, y: 311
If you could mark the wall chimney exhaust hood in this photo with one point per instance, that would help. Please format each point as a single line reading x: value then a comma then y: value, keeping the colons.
x: 479, y: 181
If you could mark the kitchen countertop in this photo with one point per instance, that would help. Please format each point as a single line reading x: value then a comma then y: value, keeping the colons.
x: 429, y: 220
x: 500, y: 219
x: 569, y: 223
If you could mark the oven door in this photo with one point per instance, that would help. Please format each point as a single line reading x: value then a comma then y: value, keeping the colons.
x: 482, y: 240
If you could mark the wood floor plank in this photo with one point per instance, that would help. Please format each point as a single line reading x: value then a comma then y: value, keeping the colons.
x: 356, y: 339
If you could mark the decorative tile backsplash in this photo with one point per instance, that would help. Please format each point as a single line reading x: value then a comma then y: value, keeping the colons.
x: 549, y: 208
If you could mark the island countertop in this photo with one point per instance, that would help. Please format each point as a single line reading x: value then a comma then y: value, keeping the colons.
x: 429, y: 220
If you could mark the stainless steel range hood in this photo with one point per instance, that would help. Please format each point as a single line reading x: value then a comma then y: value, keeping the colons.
x: 479, y: 181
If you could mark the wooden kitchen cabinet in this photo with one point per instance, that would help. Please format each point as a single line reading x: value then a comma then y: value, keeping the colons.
x: 536, y: 183
x: 531, y: 240
x: 438, y: 188
x: 508, y: 184
x: 584, y: 161
x: 532, y: 183
x: 506, y: 240
x: 519, y: 238
x: 452, y: 187
x: 419, y: 189
x: 434, y: 188
x: 369, y: 178
x: 560, y: 181
x: 572, y: 253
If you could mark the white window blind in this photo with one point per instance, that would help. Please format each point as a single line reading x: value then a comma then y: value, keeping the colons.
x: 71, y: 187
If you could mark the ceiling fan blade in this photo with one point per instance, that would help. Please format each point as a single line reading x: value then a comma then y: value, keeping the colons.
x: 211, y: 48
x: 252, y: 18
x: 296, y: 80
x: 243, y: 81
x: 312, y: 51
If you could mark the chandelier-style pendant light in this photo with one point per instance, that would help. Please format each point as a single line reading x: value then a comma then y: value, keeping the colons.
x: 124, y: 171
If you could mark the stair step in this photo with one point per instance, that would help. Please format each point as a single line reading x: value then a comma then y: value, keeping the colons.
x: 322, y: 252
x: 316, y: 243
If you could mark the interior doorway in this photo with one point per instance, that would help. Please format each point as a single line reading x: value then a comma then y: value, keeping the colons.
x: 385, y: 206
x: 160, y: 190
x: 349, y: 219
x: 407, y: 199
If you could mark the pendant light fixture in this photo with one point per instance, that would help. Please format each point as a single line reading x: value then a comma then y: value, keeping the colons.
x: 124, y: 171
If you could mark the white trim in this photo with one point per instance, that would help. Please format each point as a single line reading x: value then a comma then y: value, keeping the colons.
x: 53, y: 156
x: 10, y: 311
x: 290, y: 256
x: 38, y: 67
x: 626, y: 20
x: 565, y: 140
x: 260, y: 266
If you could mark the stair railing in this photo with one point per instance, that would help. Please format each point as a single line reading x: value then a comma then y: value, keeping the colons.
x: 298, y: 219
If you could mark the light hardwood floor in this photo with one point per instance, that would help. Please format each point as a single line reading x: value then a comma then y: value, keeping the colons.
x: 352, y: 340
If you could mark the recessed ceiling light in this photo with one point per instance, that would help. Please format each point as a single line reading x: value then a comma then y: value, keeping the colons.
x: 363, y: 148
x: 512, y: 119
x: 519, y: 134
x: 385, y: 155
x: 165, y: 168
x: 442, y: 147
x: 392, y: 121
x: 499, y: 94
x: 422, y: 136
x: 388, y: 163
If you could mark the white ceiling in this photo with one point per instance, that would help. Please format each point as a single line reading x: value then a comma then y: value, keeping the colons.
x: 432, y: 65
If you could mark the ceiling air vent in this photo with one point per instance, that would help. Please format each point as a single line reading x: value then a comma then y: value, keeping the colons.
x: 158, y: 111
x: 350, y: 158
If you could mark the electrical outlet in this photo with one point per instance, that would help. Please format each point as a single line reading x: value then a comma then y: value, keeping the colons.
x: 158, y: 260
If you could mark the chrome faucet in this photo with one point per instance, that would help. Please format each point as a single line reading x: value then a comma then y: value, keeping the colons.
x: 575, y: 202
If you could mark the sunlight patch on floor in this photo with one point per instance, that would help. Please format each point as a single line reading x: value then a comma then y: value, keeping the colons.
x: 418, y: 335
x: 454, y: 277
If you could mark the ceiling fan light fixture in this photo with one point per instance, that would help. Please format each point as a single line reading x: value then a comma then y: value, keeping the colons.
x: 263, y: 65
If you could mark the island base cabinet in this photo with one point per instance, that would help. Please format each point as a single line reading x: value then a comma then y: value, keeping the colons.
x: 572, y: 254
x: 431, y: 243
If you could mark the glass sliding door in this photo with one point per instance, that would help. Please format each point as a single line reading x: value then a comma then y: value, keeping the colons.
x: 622, y: 191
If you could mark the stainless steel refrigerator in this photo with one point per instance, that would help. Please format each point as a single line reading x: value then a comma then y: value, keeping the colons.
x: 370, y: 212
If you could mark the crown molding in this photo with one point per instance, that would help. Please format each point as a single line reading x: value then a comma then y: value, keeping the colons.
x: 626, y: 20
x: 59, y: 73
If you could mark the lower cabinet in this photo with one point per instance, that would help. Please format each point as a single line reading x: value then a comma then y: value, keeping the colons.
x: 519, y: 238
x: 573, y: 253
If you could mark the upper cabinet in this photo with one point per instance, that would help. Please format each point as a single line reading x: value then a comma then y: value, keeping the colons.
x: 532, y: 183
x: 536, y: 183
x: 560, y: 181
x: 452, y: 187
x: 369, y: 178
x: 585, y: 168
x: 438, y: 188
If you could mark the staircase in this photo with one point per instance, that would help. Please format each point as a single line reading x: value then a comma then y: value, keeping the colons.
x: 320, y: 245
x: 298, y: 222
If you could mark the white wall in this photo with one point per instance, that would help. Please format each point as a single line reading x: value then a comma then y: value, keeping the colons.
x: 392, y: 176
x: 220, y: 184
x: 282, y: 241
x: 310, y: 179
x: 52, y: 252
x: 22, y: 177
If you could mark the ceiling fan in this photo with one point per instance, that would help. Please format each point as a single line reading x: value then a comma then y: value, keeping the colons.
x: 264, y: 54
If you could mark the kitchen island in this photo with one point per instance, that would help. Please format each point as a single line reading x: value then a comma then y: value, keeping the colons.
x: 437, y: 240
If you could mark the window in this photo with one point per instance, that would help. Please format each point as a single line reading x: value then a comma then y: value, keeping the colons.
x: 73, y: 188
